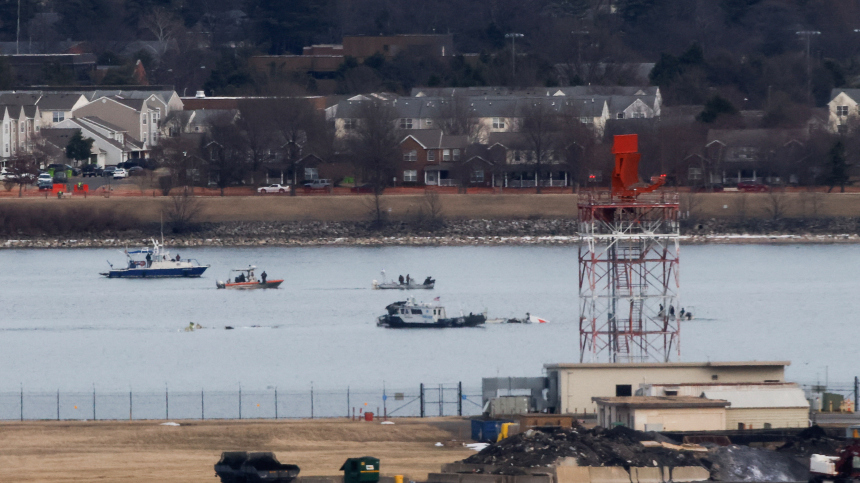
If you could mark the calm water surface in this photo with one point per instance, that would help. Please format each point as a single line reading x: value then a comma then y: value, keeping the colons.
x: 63, y: 326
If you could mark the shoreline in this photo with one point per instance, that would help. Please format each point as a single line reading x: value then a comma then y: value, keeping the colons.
x: 414, y: 241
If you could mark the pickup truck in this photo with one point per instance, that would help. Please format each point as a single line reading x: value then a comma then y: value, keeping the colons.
x: 242, y: 466
x: 317, y: 184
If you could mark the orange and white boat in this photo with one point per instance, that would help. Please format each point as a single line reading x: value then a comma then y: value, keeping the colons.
x: 244, y: 279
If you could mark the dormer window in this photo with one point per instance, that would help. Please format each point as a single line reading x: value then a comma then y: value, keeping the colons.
x: 621, y: 115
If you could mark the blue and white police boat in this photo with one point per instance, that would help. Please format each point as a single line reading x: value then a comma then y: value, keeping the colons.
x: 155, y: 262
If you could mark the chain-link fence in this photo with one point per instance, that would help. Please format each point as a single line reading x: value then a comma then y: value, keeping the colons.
x: 271, y: 403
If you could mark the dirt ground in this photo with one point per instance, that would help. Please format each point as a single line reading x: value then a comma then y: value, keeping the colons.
x: 73, y: 451
x: 454, y: 206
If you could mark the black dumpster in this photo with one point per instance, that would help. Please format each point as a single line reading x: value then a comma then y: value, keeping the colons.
x: 361, y: 470
x: 245, y: 467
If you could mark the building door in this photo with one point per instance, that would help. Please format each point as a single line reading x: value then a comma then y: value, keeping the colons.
x: 432, y: 178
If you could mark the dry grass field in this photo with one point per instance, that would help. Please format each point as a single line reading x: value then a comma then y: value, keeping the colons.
x: 77, y: 451
x: 453, y: 206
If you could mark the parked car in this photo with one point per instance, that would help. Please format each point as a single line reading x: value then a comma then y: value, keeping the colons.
x: 136, y: 171
x: 107, y: 172
x: 91, y: 170
x: 120, y: 173
x: 751, y: 187
x: 316, y: 184
x: 362, y: 188
x: 45, y: 181
x: 274, y: 188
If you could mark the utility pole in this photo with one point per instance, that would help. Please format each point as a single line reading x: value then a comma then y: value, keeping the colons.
x: 514, y: 37
x: 808, y: 34
x: 18, y: 30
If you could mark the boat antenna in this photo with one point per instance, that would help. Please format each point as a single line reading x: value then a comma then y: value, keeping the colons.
x: 161, y: 214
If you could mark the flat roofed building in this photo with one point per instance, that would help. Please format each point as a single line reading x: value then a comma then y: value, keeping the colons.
x: 662, y: 413
x: 571, y: 386
x: 785, y: 407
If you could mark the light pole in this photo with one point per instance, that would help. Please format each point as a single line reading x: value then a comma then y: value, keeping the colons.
x: 514, y: 37
x: 808, y: 34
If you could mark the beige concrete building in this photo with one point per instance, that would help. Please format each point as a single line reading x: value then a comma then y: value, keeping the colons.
x: 571, y: 386
x: 662, y: 413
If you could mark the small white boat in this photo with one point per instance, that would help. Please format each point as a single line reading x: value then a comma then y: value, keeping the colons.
x: 404, y: 284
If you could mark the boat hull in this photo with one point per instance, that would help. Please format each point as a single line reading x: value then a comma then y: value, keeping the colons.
x: 251, y: 285
x: 395, y: 322
x: 178, y: 272
x: 403, y: 286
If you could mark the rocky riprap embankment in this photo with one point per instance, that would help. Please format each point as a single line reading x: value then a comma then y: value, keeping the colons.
x: 452, y: 232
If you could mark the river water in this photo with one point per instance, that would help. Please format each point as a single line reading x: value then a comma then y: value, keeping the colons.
x: 62, y: 326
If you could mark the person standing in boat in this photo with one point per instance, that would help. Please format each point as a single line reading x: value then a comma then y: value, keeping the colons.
x: 401, y: 280
x: 148, y: 260
x: 263, y: 276
x: 407, y: 279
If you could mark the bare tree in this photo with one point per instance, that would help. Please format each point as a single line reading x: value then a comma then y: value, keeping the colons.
x: 777, y: 204
x: 182, y: 211
x: 20, y: 171
x: 255, y: 122
x: 181, y: 158
x: 297, y: 125
x: 539, y: 136
x: 375, y: 147
x: 163, y: 24
x: 225, y: 151
x: 455, y: 117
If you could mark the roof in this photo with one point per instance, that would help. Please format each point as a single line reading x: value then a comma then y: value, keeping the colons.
x: 752, y: 137
x: 58, y: 101
x: 660, y: 365
x: 59, y: 137
x: 436, y: 139
x: 852, y: 93
x: 104, y: 124
x: 19, y: 98
x: 643, y: 402
x: 764, y: 398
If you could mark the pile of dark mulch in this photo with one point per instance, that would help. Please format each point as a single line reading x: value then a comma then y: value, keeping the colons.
x: 812, y: 440
x: 618, y: 446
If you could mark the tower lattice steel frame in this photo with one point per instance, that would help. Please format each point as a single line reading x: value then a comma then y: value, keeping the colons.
x: 629, y: 282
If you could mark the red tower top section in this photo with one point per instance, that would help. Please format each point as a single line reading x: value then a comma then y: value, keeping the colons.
x: 625, y: 176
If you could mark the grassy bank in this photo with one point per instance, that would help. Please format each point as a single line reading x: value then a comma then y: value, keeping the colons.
x: 722, y: 212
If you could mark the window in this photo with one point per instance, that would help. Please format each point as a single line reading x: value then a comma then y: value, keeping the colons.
x: 518, y: 156
x: 428, y: 122
x: 498, y: 123
x: 456, y: 155
x: 153, y: 119
x: 478, y: 176
x: 348, y: 124
x: 59, y: 116
x: 143, y: 118
x: 410, y: 175
x: 312, y: 173
x: 842, y: 110
x: 621, y: 115
x: 583, y: 120
x: 144, y: 138
x: 638, y: 115
x: 622, y: 390
x: 431, y: 155
x: 7, y: 148
x: 446, y: 155
x: 406, y: 123
x: 410, y: 156
x: 694, y: 173
x: 22, y: 127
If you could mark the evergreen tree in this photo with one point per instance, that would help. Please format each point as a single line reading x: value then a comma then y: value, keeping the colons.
x: 79, y: 148
x: 838, y: 167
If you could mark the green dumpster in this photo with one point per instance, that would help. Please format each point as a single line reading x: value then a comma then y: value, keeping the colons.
x: 361, y: 470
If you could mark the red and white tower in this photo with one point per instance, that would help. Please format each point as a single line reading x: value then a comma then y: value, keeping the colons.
x: 628, y: 267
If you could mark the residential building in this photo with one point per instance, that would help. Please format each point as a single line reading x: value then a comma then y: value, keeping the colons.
x: 431, y: 158
x: 20, y: 125
x: 112, y: 141
x: 197, y: 121
x: 138, y: 118
x: 844, y: 111
x: 773, y: 156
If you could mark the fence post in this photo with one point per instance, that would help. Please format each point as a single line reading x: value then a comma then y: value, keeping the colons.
x: 421, y: 396
x: 129, y: 406
x: 312, y: 399
x: 240, y: 402
x: 202, y: 406
x: 58, y: 404
x: 94, y: 402
x: 22, y: 402
x: 441, y: 400
x: 347, y: 401
x: 460, y: 398
x: 166, y: 404
x: 276, y: 403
